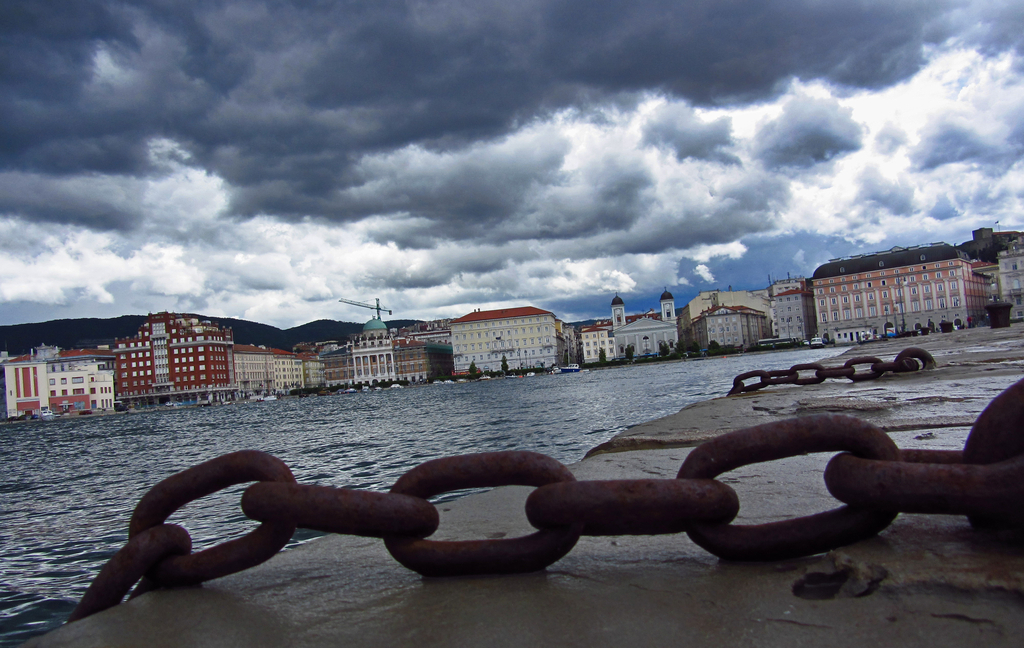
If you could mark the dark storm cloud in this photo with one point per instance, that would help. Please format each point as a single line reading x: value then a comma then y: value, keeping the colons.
x: 99, y: 203
x: 943, y: 209
x: 744, y: 207
x: 282, y: 99
x: 895, y: 197
x: 809, y: 132
x: 945, y: 143
x: 511, y: 191
x: 441, y: 269
x: 690, y: 137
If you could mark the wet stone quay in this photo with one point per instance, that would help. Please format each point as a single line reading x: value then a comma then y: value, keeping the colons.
x: 925, y: 579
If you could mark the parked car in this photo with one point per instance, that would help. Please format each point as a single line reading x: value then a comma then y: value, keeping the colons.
x: 817, y: 342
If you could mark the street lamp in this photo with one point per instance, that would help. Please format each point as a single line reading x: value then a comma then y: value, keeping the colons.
x: 903, y: 302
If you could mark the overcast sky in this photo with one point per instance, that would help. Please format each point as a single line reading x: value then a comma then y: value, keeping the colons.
x: 261, y: 160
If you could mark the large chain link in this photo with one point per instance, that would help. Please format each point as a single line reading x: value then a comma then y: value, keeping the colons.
x: 910, y: 359
x: 874, y: 478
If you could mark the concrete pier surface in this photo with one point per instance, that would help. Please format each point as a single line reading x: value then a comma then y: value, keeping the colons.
x: 926, y: 580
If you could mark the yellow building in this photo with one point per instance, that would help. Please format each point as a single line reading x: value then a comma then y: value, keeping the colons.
x: 524, y: 336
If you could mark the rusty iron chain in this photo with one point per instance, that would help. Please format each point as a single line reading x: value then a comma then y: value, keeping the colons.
x: 910, y: 359
x: 872, y: 477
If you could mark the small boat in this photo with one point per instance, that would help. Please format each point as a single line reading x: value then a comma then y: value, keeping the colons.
x: 573, y: 368
x: 46, y: 414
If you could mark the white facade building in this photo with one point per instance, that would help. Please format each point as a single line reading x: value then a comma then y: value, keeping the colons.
x: 792, y: 309
x: 597, y: 338
x: 646, y: 332
x: 524, y: 336
x: 1011, y: 277
x: 373, y: 355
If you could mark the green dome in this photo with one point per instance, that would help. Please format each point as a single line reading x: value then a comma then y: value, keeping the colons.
x: 375, y: 325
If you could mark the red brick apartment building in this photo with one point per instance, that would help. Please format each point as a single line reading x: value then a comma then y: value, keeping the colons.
x: 175, y: 357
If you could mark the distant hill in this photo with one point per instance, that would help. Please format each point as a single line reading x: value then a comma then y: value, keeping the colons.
x: 18, y: 339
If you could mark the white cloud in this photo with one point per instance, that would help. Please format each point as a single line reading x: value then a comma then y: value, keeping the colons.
x: 704, y: 273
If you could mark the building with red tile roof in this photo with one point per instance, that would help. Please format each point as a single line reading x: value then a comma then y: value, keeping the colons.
x: 525, y: 336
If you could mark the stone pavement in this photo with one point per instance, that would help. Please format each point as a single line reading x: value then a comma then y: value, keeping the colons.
x: 927, y: 580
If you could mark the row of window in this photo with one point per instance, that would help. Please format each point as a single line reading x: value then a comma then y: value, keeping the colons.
x: 915, y: 306
x: 74, y: 380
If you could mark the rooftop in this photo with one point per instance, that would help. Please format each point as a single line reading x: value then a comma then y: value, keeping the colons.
x: 501, y: 313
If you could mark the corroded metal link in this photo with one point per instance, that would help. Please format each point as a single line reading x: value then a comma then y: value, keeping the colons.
x: 738, y: 386
x: 835, y: 372
x: 800, y: 536
x: 782, y: 377
x: 633, y: 506
x: 915, y: 455
x: 505, y: 556
x: 340, y: 510
x: 997, y: 434
x: 896, y: 367
x: 993, y: 491
x: 910, y: 359
x: 781, y: 439
x: 865, y: 360
x: 129, y: 564
x: 196, y: 482
x: 806, y: 536
x: 924, y: 358
x: 810, y: 380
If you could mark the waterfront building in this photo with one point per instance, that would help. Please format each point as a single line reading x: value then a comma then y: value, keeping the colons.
x: 736, y: 326
x: 254, y: 370
x: 871, y: 295
x: 791, y: 309
x: 339, y: 368
x: 707, y: 300
x: 77, y: 380
x: 287, y: 371
x: 525, y: 336
x: 417, y: 361
x: 438, y: 331
x: 373, y: 357
x: 176, y: 357
x: 312, y: 370
x: 647, y: 332
x: 597, y: 338
x: 1011, y: 277
x: 570, y: 343
x: 4, y: 357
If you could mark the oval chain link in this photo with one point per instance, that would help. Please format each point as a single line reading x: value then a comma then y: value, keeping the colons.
x: 199, y: 481
x: 801, y: 536
x: 468, y: 557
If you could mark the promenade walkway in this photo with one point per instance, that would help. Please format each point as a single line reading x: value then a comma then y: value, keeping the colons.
x: 926, y: 580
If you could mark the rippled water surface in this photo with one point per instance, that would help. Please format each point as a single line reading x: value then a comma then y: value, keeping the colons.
x: 68, y: 487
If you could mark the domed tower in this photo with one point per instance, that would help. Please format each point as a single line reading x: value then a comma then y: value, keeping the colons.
x: 668, y: 307
x: 375, y: 328
x: 618, y: 312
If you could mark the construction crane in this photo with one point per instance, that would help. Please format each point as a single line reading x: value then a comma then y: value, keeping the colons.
x: 377, y: 308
